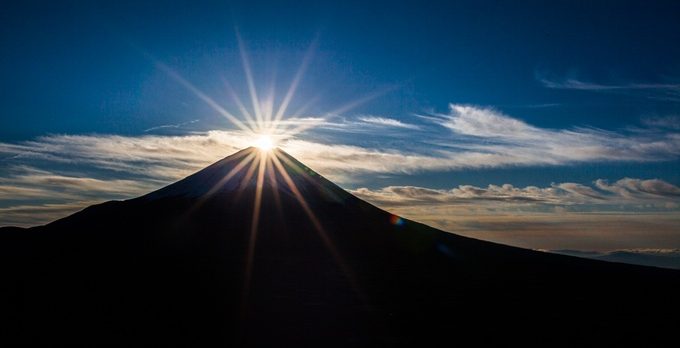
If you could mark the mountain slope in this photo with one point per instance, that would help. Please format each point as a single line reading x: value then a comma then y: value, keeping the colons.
x: 189, y: 264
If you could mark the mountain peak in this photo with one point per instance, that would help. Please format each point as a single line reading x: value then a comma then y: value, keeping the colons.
x: 249, y: 168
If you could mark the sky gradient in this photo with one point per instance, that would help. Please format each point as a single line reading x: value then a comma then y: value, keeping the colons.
x: 547, y: 126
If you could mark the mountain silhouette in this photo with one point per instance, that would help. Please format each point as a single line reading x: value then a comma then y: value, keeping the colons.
x: 259, y: 250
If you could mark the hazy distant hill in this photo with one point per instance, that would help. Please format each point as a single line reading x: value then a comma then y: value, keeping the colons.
x: 645, y: 257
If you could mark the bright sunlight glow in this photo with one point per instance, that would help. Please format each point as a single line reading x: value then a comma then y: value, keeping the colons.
x: 265, y: 125
x: 265, y: 143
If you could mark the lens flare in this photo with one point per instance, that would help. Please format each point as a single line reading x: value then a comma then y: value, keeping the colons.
x: 396, y: 220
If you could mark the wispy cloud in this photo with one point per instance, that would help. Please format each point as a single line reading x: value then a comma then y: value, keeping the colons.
x: 30, y: 196
x: 389, y: 122
x: 510, y: 141
x: 29, y: 184
x: 591, y: 86
x: 95, y: 167
x: 663, y: 122
x: 477, y: 137
x: 160, y: 157
x: 664, y: 91
x: 361, y: 124
x: 485, y: 138
x: 175, y: 126
x: 39, y: 214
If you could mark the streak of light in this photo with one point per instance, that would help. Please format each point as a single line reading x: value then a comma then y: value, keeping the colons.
x: 213, y: 104
x: 249, y: 79
x: 246, y: 180
x: 244, y: 162
x: 339, y: 111
x: 328, y: 243
x: 239, y: 104
x: 274, y: 181
x: 294, y: 84
x: 252, y: 238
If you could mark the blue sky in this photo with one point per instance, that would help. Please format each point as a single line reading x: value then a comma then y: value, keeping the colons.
x: 438, y: 96
x: 84, y: 63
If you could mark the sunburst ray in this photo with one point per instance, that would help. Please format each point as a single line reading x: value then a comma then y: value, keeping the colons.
x: 335, y: 113
x: 250, y: 81
x: 271, y: 173
x: 212, y: 103
x: 223, y: 181
x: 246, y: 180
x: 254, y: 225
x: 321, y: 232
x: 240, y: 106
x: 294, y: 84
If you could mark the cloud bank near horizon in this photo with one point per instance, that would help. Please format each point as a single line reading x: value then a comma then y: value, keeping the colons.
x: 636, y: 193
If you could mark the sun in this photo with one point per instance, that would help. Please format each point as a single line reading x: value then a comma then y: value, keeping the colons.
x: 265, y: 143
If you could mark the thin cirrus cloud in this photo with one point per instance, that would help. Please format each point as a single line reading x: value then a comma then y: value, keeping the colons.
x: 362, y: 124
x: 26, y: 215
x: 481, y: 137
x: 591, y: 86
x: 468, y: 137
x: 663, y: 122
x: 389, y: 122
x: 661, y: 91
x: 33, y: 184
x: 171, y: 126
x: 511, y: 141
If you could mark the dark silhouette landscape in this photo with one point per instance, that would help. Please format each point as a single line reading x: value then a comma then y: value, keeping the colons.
x: 218, y: 258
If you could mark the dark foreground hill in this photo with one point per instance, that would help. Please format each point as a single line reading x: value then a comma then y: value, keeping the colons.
x: 189, y: 265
